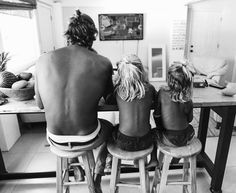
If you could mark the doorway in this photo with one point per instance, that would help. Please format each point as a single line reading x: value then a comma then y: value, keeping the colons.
x: 45, y: 26
x: 203, y: 35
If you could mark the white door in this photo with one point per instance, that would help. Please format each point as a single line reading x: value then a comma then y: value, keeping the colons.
x: 45, y: 25
x: 204, y: 33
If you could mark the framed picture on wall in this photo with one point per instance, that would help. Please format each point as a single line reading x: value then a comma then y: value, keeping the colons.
x: 120, y: 26
x: 156, y: 63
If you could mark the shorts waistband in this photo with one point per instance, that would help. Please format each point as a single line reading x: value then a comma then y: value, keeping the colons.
x: 74, y: 138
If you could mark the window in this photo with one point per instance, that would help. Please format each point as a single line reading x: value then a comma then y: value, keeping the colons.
x: 19, y: 37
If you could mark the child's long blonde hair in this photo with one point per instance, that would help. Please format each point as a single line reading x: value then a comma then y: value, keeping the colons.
x: 179, y: 82
x: 130, y: 81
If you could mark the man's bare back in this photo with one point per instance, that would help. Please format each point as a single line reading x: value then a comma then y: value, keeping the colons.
x: 71, y: 81
x: 135, y: 115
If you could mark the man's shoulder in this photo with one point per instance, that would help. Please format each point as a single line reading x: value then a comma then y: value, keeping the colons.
x: 104, y: 60
x: 104, y: 63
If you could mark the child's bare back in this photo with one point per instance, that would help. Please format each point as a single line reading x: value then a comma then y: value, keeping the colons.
x: 135, y: 96
x: 175, y: 115
x: 135, y: 115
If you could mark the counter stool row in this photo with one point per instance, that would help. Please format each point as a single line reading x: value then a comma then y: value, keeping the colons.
x: 166, y: 153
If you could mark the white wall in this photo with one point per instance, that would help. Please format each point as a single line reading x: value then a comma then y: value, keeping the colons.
x: 228, y: 35
x: 158, y: 17
x: 227, y: 32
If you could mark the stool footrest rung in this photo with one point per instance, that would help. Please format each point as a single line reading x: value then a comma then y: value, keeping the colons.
x: 178, y: 183
x: 126, y: 184
x: 75, y: 164
x: 74, y: 183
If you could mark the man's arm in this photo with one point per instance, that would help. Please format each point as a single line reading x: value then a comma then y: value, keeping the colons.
x: 109, y: 95
x: 37, y: 95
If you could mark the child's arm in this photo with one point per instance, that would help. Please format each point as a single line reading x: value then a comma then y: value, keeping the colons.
x: 109, y: 87
x: 157, y: 110
x: 189, y: 110
x: 111, y: 99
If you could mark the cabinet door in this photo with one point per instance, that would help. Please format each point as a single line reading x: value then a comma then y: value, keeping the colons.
x: 45, y: 25
x: 204, y: 33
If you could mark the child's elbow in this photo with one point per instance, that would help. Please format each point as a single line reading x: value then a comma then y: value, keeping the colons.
x: 190, y: 118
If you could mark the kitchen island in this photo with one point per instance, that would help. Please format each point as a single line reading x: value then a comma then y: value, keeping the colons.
x: 204, y: 98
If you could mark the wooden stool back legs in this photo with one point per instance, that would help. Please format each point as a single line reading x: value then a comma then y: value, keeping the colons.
x: 144, y: 178
x: 59, y: 174
x: 115, y: 174
x: 87, y: 164
x: 164, y: 173
x: 185, y: 174
x: 193, y: 174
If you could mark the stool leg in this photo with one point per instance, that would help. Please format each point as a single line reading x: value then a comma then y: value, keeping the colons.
x: 193, y: 174
x: 59, y: 174
x: 88, y: 173
x: 156, y: 180
x: 115, y: 174
x: 144, y: 178
x: 147, y: 180
x: 91, y: 160
x: 164, y: 173
x: 185, y: 174
x: 160, y: 158
x: 67, y: 175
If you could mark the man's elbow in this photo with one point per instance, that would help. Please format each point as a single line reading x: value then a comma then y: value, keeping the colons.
x: 40, y: 106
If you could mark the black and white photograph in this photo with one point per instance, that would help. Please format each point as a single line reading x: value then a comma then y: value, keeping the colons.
x: 102, y: 96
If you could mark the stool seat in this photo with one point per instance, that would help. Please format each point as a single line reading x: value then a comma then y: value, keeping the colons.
x: 191, y: 149
x: 66, y: 154
x: 128, y: 155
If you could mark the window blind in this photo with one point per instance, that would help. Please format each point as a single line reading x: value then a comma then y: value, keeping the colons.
x: 18, y: 4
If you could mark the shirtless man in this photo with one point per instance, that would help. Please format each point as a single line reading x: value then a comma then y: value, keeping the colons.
x: 70, y: 81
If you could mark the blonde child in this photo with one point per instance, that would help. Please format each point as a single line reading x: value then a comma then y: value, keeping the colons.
x: 135, y: 97
x: 174, y: 109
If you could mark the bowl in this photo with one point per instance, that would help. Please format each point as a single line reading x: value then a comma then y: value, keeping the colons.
x: 230, y: 89
x: 19, y: 94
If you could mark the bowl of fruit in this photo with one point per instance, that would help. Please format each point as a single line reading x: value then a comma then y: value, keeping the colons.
x: 21, y: 88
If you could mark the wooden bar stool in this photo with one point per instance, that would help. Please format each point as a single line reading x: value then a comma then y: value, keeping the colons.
x: 63, y: 168
x: 119, y: 155
x: 64, y: 153
x: 189, y: 154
